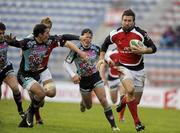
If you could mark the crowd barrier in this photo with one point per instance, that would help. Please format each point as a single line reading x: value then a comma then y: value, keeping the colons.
x: 156, y: 97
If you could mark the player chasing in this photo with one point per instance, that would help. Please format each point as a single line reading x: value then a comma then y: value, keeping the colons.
x: 34, y: 65
x: 45, y: 81
x: 110, y: 76
x: 46, y: 78
x: 88, y: 77
x: 7, y: 72
x: 131, y: 64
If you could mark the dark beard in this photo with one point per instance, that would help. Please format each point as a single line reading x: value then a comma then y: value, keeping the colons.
x: 127, y: 30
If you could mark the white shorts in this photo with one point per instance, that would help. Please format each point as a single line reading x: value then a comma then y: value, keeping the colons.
x: 138, y: 77
x: 114, y: 84
x: 29, y: 81
x: 45, y: 75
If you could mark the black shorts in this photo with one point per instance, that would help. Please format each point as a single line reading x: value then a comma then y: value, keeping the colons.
x: 87, y: 84
x: 4, y: 73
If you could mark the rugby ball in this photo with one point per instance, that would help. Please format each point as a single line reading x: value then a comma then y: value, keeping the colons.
x: 135, y: 43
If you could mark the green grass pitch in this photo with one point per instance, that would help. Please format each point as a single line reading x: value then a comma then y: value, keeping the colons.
x: 66, y: 118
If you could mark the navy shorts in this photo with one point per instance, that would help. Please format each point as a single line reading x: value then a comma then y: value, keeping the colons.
x: 5, y: 72
x: 87, y: 84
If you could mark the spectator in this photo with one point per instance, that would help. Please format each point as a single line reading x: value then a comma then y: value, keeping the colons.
x: 168, y: 38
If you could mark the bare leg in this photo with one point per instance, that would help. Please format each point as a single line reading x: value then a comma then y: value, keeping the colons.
x: 11, y: 80
x: 122, y: 94
x: 130, y: 99
x: 38, y: 97
x: 114, y: 95
x: 101, y: 95
x: 138, y: 96
x: 37, y: 113
x: 86, y: 102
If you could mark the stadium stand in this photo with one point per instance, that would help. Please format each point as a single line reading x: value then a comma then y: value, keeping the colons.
x: 163, y: 67
x: 71, y: 16
x: 68, y: 16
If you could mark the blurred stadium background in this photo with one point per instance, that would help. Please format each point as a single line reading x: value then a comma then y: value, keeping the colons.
x: 71, y: 16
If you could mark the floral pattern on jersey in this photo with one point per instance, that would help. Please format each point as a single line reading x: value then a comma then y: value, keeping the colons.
x: 35, y: 57
x: 87, y: 68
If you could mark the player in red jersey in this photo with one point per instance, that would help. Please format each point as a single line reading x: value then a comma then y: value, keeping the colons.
x: 110, y: 76
x: 130, y: 61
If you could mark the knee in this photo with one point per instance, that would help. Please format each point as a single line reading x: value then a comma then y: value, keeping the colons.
x: 51, y: 93
x: 130, y: 91
x: 50, y: 89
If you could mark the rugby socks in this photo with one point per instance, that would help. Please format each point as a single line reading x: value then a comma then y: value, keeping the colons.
x: 37, y: 115
x: 121, y: 114
x: 18, y: 101
x: 132, y: 105
x: 123, y: 99
x: 109, y: 115
x: 35, y: 104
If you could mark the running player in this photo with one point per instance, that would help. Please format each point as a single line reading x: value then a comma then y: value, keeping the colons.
x: 130, y: 61
x: 33, y: 67
x: 110, y: 76
x: 7, y: 72
x: 88, y: 77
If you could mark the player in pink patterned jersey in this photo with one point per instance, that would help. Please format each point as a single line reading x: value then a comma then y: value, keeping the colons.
x: 34, y: 64
x: 88, y: 77
x: 7, y: 73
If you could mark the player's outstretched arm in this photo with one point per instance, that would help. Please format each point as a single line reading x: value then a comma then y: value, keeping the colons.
x: 74, y: 48
x: 70, y: 37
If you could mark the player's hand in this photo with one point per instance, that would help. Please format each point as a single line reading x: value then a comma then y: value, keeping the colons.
x: 139, y: 49
x: 99, y: 63
x: 9, y: 38
x: 76, y: 79
x: 111, y: 63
